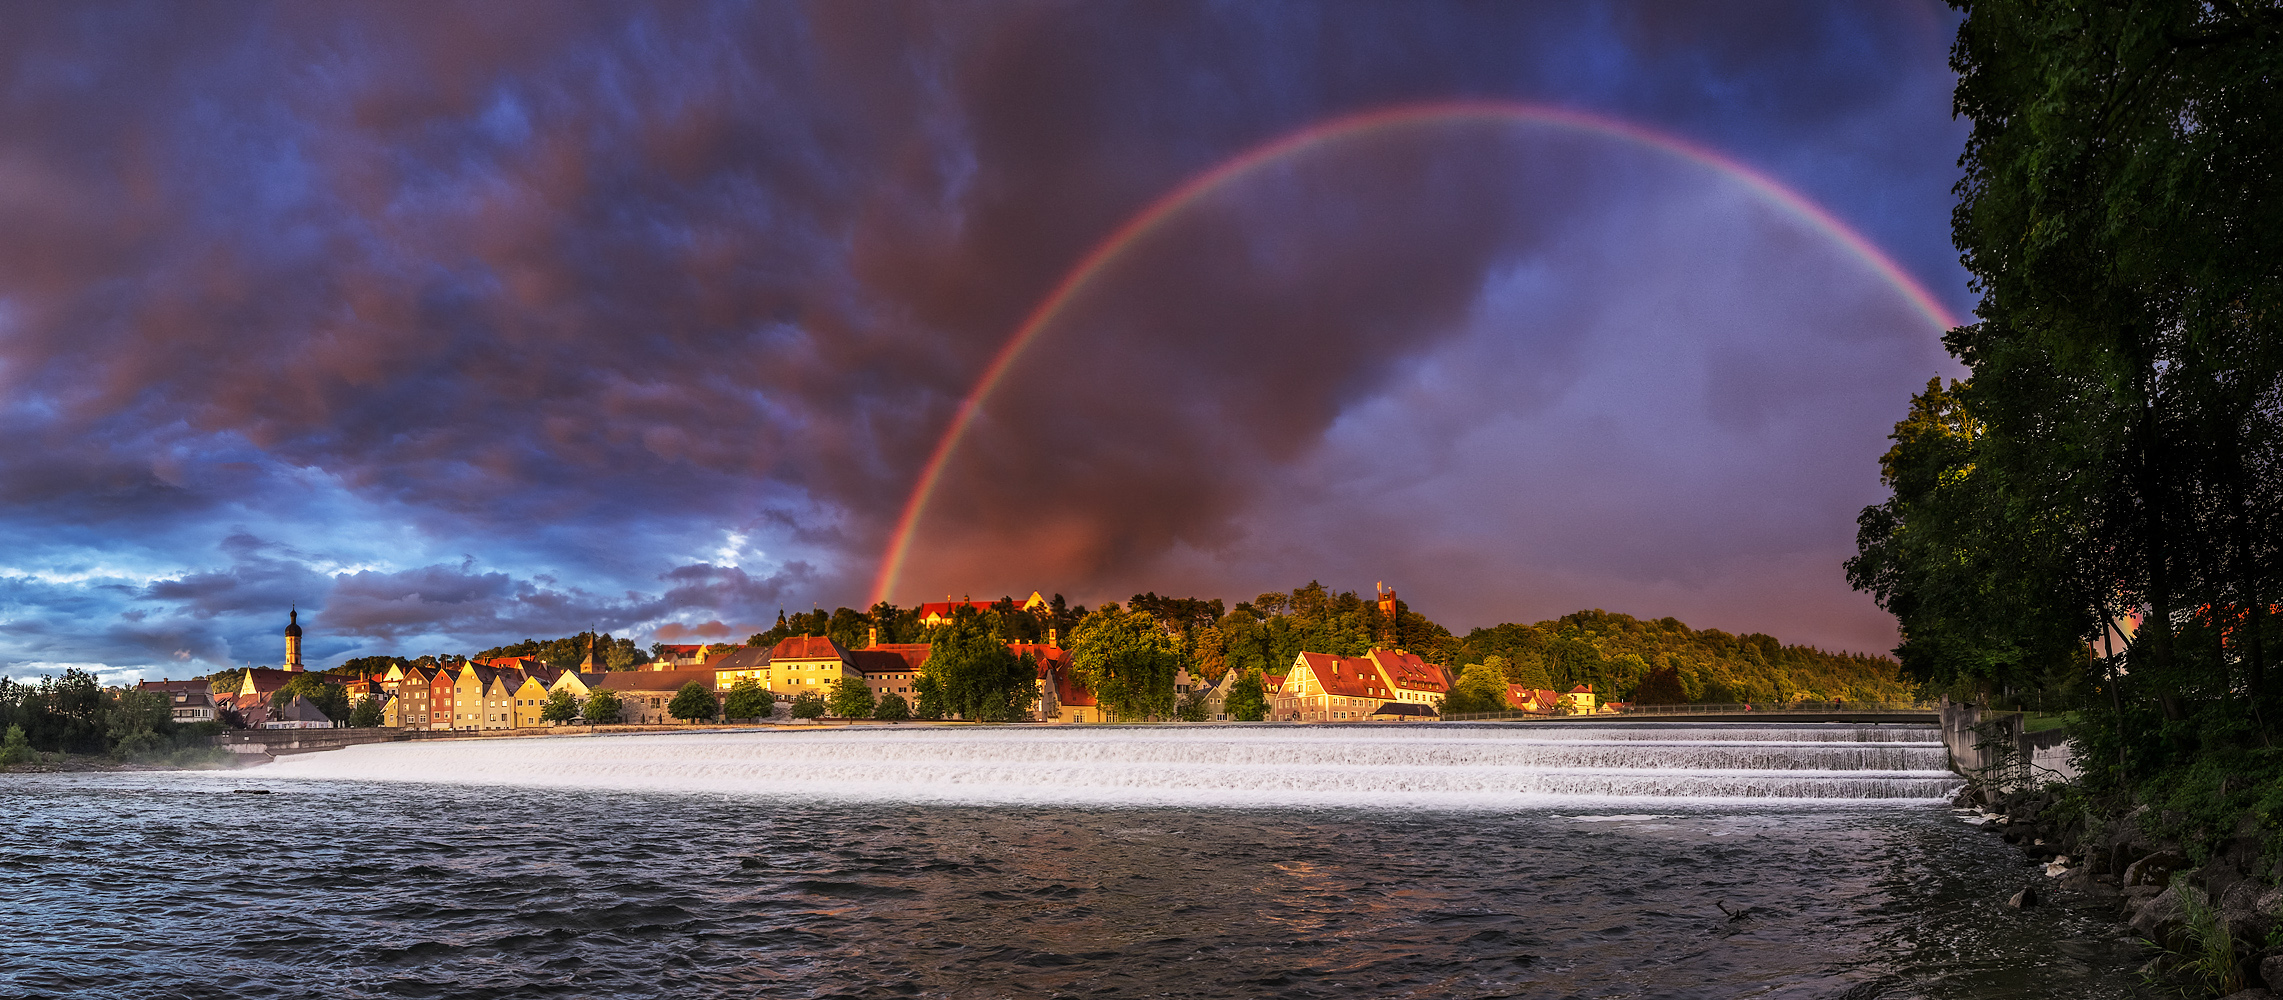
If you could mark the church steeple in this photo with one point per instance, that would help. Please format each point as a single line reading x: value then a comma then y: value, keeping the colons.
x: 293, y: 639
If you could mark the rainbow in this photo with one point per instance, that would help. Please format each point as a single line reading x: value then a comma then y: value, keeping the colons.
x: 1320, y: 136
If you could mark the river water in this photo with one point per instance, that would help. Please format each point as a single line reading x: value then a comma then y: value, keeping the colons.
x: 1561, y: 860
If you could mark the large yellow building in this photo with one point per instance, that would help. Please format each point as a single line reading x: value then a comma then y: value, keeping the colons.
x: 747, y: 663
x: 807, y: 663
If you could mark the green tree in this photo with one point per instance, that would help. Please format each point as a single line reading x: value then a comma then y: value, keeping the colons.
x: 1248, y: 698
x: 329, y: 697
x: 693, y: 703
x: 892, y: 708
x: 851, y: 699
x: 930, y: 703
x: 367, y: 714
x: 602, y: 707
x: 15, y: 747
x: 1662, y: 687
x: 1193, y: 707
x: 1481, y: 688
x: 809, y: 705
x: 1127, y: 660
x: 975, y: 674
x: 748, y: 700
x: 561, y: 708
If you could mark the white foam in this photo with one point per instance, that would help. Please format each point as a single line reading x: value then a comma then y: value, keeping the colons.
x: 1451, y: 767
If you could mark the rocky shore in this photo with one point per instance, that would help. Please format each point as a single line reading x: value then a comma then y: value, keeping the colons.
x: 2215, y: 923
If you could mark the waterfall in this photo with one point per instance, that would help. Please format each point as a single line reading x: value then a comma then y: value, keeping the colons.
x: 1426, y: 766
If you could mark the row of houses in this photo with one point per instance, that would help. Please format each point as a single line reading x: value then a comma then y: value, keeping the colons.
x: 511, y: 692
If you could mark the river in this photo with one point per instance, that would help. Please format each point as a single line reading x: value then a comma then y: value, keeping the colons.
x: 1563, y: 860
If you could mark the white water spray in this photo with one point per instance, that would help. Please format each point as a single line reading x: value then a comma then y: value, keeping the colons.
x: 1442, y: 766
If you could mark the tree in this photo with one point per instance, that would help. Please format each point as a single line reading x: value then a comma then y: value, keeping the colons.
x: 851, y: 699
x: 367, y: 714
x: 1248, y: 698
x: 693, y: 703
x: 561, y: 707
x: 1661, y: 687
x: 1127, y: 660
x: 930, y: 700
x: 602, y: 707
x: 975, y: 674
x: 15, y: 747
x: 1481, y: 688
x: 321, y: 690
x: 809, y: 705
x: 138, y: 723
x: 1193, y: 707
x: 748, y: 700
x: 891, y: 708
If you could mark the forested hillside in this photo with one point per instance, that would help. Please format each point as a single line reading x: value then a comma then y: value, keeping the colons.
x: 1618, y: 654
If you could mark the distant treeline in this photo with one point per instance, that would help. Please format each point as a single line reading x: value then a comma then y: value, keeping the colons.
x: 72, y: 713
x: 1665, y: 661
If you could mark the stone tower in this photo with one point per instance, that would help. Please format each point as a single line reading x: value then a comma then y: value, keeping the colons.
x: 293, y: 640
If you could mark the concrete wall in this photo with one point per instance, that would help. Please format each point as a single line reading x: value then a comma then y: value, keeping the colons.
x: 284, y: 741
x: 1978, y: 744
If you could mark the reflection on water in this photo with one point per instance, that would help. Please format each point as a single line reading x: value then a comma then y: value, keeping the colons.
x: 138, y: 885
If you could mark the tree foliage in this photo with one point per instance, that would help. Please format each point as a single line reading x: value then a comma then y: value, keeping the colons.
x: 322, y: 690
x: 748, y: 700
x: 851, y: 699
x: 562, y: 707
x: 602, y: 708
x: 809, y: 705
x: 892, y: 708
x: 367, y: 714
x: 1268, y: 632
x: 1615, y: 653
x: 1248, y: 698
x: 2117, y: 454
x: 1481, y: 688
x: 693, y: 702
x: 1128, y: 660
x: 973, y: 672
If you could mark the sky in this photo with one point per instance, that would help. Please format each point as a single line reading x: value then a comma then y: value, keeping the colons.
x: 453, y: 325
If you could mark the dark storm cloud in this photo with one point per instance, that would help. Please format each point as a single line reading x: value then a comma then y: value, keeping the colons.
x: 495, y: 319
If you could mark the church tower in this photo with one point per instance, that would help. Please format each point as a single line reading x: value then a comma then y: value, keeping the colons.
x: 293, y: 640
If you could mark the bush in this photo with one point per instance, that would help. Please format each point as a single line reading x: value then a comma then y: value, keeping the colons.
x: 852, y: 699
x: 892, y: 708
x: 692, y: 703
x: 747, y: 700
x: 15, y: 748
x: 367, y: 714
x: 602, y: 708
x: 561, y: 707
x: 810, y: 705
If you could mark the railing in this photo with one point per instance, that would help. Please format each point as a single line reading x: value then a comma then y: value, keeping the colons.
x: 1740, y: 708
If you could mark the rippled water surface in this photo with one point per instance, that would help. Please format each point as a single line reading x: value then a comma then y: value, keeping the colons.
x: 408, y: 870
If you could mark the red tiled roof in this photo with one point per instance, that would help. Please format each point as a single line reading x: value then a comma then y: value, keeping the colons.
x: 670, y: 650
x: 741, y: 658
x: 513, y: 662
x: 1582, y: 689
x: 1518, y: 696
x: 808, y: 647
x: 1408, y: 672
x: 655, y: 680
x: 883, y: 661
x: 175, y: 687
x: 914, y: 654
x: 1346, y: 676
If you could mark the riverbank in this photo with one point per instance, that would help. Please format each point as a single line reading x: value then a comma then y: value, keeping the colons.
x: 2208, y: 906
x: 61, y: 763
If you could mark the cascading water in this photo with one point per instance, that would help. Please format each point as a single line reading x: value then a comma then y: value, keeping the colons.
x: 1441, y: 766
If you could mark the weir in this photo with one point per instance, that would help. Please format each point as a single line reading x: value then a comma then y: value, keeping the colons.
x: 1447, y: 766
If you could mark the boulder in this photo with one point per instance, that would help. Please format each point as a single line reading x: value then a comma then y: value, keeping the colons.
x: 2024, y: 899
x: 2239, y: 907
x: 2164, y: 919
x: 2271, y: 971
x: 2155, y: 869
x: 2254, y: 993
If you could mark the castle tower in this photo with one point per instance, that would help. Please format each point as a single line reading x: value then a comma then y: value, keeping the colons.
x: 293, y: 640
x: 1386, y: 599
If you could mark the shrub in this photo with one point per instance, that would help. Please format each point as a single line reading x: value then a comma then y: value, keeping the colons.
x: 747, y: 700
x: 602, y: 708
x: 810, y: 705
x: 892, y: 708
x: 692, y: 703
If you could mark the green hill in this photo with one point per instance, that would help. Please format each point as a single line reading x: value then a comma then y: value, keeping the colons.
x: 1618, y: 654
